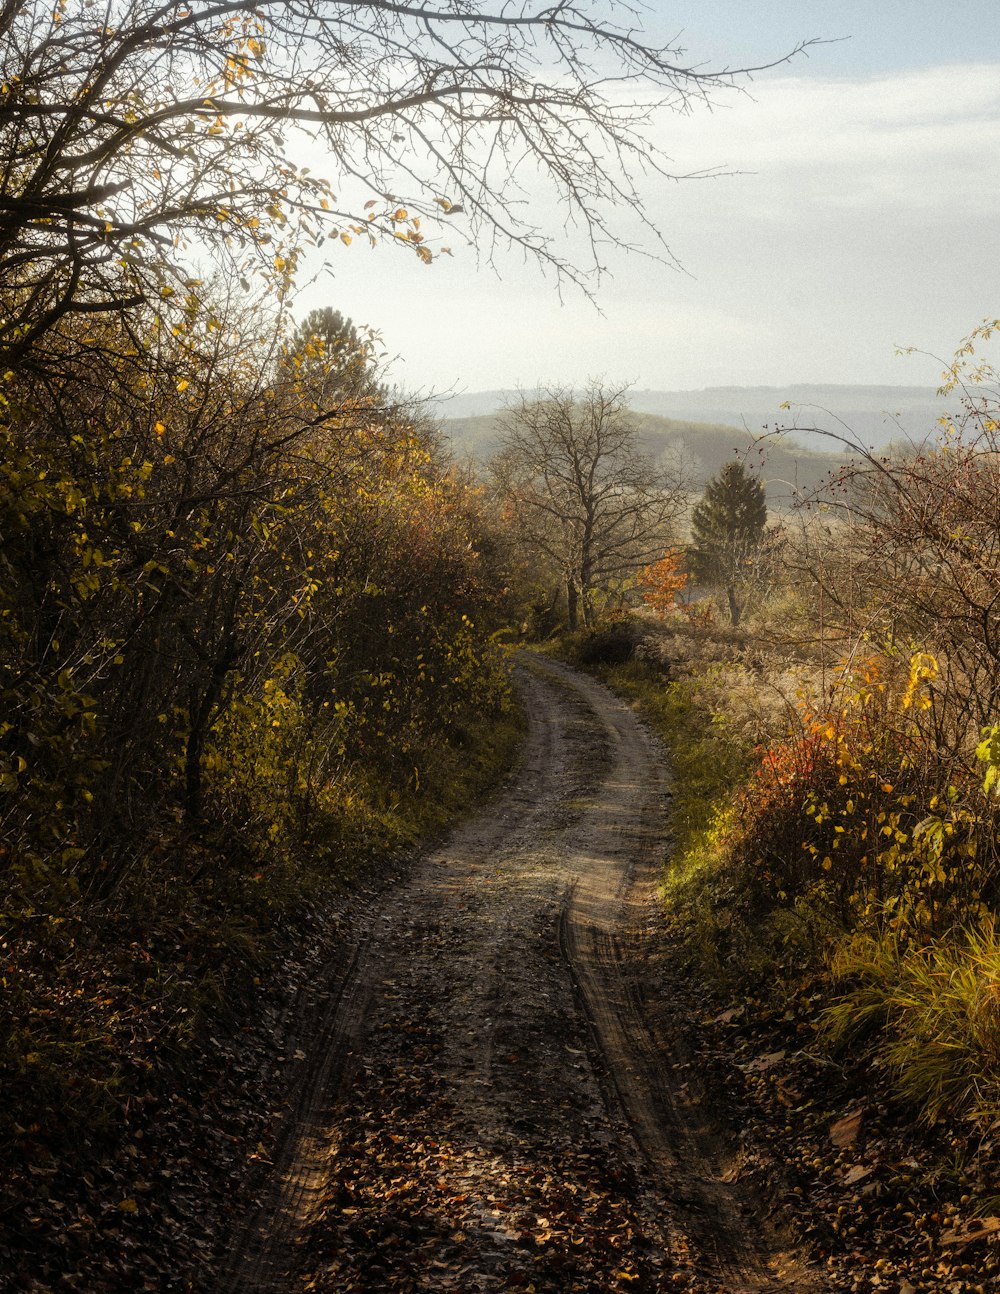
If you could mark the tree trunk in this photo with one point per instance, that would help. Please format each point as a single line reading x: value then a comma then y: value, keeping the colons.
x: 572, y: 606
x: 735, y: 610
x: 192, y: 772
x: 201, y: 713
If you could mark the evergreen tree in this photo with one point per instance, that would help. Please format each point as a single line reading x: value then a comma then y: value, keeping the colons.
x: 727, y: 531
x: 334, y: 360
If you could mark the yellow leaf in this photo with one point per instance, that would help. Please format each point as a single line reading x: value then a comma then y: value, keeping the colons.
x: 128, y: 1206
x: 183, y: 384
x: 346, y: 239
x: 160, y: 428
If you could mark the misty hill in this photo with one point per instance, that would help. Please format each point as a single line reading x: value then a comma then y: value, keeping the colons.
x: 787, y: 469
x: 876, y: 415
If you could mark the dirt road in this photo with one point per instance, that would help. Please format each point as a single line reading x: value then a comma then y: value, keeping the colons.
x: 489, y: 1101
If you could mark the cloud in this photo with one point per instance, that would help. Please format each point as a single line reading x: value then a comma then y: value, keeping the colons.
x: 915, y: 139
x: 863, y: 215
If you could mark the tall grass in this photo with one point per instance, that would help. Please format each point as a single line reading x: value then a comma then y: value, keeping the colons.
x: 929, y: 1013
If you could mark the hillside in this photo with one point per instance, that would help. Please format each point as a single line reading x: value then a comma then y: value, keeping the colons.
x: 788, y: 470
x: 875, y: 415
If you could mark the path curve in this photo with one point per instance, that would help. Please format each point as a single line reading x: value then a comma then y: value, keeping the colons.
x: 488, y: 1102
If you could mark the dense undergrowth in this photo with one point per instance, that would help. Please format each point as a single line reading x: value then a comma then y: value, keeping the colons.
x: 840, y: 865
x: 248, y: 621
x: 103, y: 1005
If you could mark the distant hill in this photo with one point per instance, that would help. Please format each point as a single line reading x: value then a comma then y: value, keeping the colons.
x: 876, y: 415
x: 787, y: 469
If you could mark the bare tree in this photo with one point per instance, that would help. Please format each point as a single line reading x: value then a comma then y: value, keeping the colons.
x: 584, y: 497
x: 133, y: 129
x: 910, y: 555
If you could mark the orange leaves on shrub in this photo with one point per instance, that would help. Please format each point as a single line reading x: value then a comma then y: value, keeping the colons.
x: 856, y: 801
x: 661, y: 582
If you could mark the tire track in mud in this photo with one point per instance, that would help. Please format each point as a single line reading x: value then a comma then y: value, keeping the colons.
x: 487, y: 1103
x: 603, y: 928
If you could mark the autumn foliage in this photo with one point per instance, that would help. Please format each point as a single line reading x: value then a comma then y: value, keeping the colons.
x: 849, y: 854
x: 245, y: 625
x: 661, y: 582
x: 856, y: 814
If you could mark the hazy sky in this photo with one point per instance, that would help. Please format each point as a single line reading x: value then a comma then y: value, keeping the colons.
x: 864, y: 216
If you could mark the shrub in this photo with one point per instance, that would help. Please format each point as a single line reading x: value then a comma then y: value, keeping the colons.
x: 858, y: 812
x: 613, y: 644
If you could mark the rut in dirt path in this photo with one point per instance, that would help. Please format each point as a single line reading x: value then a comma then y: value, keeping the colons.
x: 489, y: 1102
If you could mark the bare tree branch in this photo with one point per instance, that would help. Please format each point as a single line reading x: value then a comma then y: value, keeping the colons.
x: 581, y: 492
x: 129, y: 134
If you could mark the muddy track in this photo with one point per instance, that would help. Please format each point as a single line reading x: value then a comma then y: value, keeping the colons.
x: 489, y: 1101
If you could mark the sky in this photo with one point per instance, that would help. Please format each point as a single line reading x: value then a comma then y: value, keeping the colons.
x: 858, y: 215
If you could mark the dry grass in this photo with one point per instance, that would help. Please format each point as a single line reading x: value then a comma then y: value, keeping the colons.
x: 930, y: 1014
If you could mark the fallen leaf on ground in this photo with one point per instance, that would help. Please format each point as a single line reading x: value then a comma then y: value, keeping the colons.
x: 845, y: 1130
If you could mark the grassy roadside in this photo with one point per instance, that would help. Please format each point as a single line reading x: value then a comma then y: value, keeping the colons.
x: 855, y: 1122
x: 708, y: 765
x: 480, y: 756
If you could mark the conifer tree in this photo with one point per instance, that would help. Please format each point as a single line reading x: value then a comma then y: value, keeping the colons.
x: 727, y: 531
x: 333, y: 359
